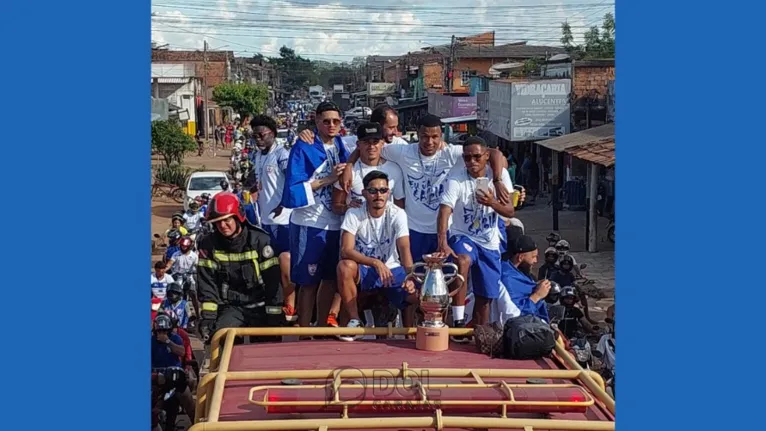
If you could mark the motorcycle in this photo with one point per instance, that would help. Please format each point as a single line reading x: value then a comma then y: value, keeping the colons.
x: 582, y: 350
x: 610, y: 229
x: 166, y: 383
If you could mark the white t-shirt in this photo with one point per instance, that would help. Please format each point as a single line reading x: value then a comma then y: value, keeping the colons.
x: 423, y: 180
x: 193, y: 220
x: 376, y: 237
x: 469, y: 217
x: 270, y: 173
x: 350, y: 142
x: 395, y: 182
x: 160, y: 285
x: 318, y: 214
x: 184, y: 263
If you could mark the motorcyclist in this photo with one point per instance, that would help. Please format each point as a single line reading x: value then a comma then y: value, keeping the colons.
x: 160, y: 281
x: 174, y: 236
x: 177, y: 221
x: 563, y: 273
x: 224, y: 186
x: 192, y: 218
x: 547, y: 268
x: 204, y: 199
x: 562, y: 247
x: 606, y: 349
x: 238, y: 273
x: 176, y: 303
x: 574, y: 320
x: 168, y: 352
x: 183, y: 266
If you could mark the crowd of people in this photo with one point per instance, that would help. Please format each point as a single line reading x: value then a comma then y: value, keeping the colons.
x: 317, y: 230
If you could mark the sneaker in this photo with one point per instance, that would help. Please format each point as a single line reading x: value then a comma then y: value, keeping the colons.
x: 460, y: 339
x: 332, y: 321
x: 290, y: 314
x: 353, y: 323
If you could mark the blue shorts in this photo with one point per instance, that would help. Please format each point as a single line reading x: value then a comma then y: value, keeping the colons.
x: 369, y: 281
x: 422, y: 243
x: 280, y: 237
x: 503, y: 235
x: 314, y: 254
x: 485, y: 266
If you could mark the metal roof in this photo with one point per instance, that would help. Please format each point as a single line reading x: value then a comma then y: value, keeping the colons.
x: 515, y: 51
x: 595, y: 145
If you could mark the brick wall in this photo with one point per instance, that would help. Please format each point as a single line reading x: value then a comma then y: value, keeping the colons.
x: 432, y: 75
x: 587, y: 78
x: 479, y: 65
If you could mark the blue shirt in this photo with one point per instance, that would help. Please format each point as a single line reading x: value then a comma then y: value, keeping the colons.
x: 520, y: 287
x: 180, y: 311
x: 171, y: 251
x: 162, y: 357
x: 251, y: 214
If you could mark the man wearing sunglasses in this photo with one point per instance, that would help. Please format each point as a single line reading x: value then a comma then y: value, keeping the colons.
x: 385, y: 116
x: 371, y: 141
x: 375, y: 252
x: 474, y: 234
x: 312, y: 169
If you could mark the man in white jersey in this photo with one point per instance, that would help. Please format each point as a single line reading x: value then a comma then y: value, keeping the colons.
x: 160, y: 281
x: 474, y: 237
x: 425, y: 165
x: 375, y: 252
x: 312, y: 169
x: 370, y: 143
x: 384, y: 115
x: 270, y: 163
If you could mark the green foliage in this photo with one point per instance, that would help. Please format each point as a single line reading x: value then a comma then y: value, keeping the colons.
x: 244, y: 98
x: 175, y: 174
x: 599, y: 43
x: 297, y: 72
x: 170, y: 141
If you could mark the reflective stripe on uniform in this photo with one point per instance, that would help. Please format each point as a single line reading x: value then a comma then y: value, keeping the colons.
x: 269, y: 263
x: 207, y: 264
x: 235, y: 257
x: 209, y: 306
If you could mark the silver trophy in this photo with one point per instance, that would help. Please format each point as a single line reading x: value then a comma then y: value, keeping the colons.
x: 434, y: 294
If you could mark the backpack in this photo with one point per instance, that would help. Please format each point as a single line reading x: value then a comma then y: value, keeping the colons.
x: 527, y: 337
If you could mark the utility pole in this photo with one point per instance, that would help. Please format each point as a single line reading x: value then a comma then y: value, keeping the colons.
x: 205, y: 115
x: 451, y: 70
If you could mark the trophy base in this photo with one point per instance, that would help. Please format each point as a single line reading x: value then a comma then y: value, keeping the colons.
x: 432, y: 339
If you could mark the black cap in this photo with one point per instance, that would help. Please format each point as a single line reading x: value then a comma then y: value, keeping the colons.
x: 524, y: 244
x: 369, y: 131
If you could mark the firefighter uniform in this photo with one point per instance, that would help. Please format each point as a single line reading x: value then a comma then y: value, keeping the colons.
x: 239, y: 280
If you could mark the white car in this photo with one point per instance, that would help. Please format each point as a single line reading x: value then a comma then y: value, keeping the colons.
x: 204, y: 182
x: 359, y: 112
x: 282, y: 136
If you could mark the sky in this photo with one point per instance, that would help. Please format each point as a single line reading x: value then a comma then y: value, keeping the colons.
x: 339, y: 30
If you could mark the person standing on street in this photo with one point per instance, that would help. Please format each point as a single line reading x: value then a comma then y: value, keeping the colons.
x: 312, y: 169
x: 238, y: 273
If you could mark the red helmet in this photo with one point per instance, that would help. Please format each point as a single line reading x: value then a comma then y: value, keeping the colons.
x: 185, y: 243
x: 225, y: 205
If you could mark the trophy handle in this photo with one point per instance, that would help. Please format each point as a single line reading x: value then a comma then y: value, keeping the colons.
x: 417, y: 276
x: 450, y: 278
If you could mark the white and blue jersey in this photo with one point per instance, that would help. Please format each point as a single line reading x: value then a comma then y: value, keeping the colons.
x: 160, y: 285
x: 270, y: 176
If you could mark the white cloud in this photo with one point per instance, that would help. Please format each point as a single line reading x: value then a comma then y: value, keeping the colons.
x: 250, y: 26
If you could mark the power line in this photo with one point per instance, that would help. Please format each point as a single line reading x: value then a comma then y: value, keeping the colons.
x: 386, y: 8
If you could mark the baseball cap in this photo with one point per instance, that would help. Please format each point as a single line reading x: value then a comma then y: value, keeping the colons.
x: 524, y: 244
x: 369, y: 131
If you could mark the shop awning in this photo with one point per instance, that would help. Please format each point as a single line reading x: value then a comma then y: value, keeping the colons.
x: 594, y: 145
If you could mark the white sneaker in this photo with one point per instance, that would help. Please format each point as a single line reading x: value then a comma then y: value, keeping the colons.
x: 353, y: 323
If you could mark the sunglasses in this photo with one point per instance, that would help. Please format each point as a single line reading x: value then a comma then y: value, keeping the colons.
x: 333, y: 121
x: 475, y: 157
x: 374, y: 191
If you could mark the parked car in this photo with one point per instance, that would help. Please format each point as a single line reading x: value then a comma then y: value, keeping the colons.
x: 204, y: 182
x: 359, y: 112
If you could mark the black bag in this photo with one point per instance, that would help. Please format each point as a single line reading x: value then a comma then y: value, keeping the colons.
x: 527, y: 337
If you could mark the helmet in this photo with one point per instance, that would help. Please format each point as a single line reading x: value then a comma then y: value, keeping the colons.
x: 554, y: 293
x: 175, y: 287
x: 194, y: 205
x: 163, y: 322
x: 179, y: 217
x: 225, y: 205
x: 551, y: 252
x: 553, y: 238
x: 174, y: 235
x: 562, y: 245
x: 237, y: 147
x: 205, y: 197
x: 569, y: 292
x: 185, y: 243
x: 172, y: 314
x: 224, y: 184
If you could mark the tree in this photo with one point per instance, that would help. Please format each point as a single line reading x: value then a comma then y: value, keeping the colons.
x: 599, y: 43
x: 244, y: 98
x: 297, y: 72
x: 169, y: 139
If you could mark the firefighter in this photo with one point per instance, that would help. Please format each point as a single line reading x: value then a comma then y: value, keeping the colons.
x: 238, y: 274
